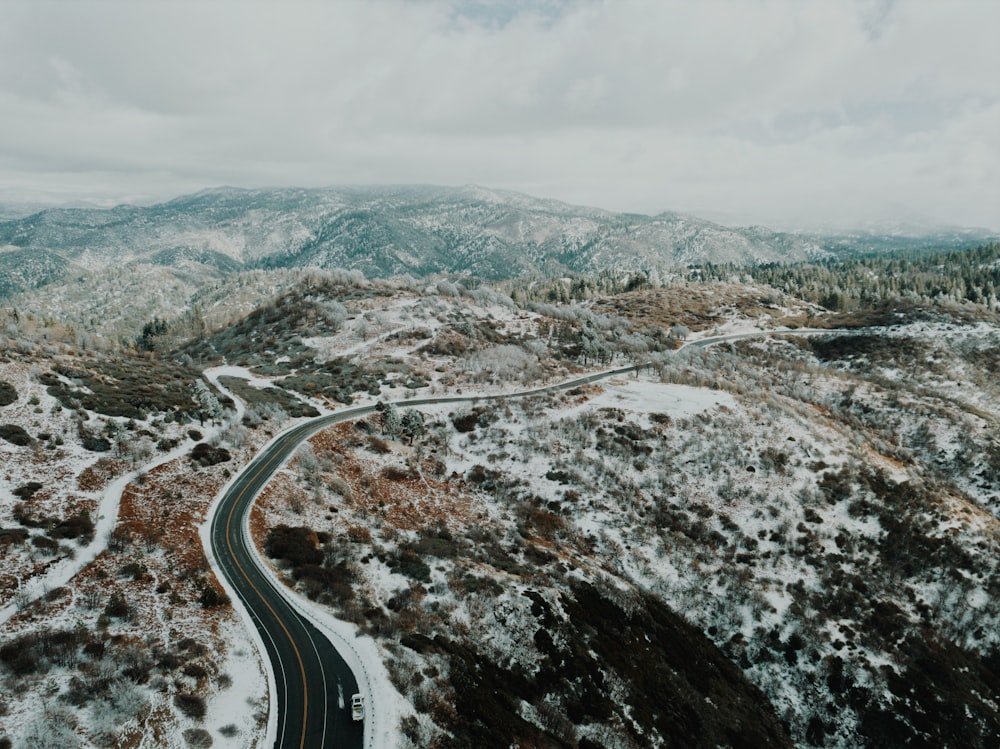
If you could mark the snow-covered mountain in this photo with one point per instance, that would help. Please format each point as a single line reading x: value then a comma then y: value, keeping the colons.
x: 385, y: 231
x: 380, y: 231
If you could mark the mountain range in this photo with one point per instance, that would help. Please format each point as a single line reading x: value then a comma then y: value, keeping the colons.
x: 385, y: 231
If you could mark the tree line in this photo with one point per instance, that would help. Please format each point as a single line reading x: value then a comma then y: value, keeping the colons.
x: 971, y: 275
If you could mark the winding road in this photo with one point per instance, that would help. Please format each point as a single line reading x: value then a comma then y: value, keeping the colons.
x: 313, y: 682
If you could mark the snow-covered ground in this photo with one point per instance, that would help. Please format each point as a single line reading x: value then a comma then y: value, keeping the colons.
x: 745, y: 485
x: 716, y: 498
x: 67, y: 592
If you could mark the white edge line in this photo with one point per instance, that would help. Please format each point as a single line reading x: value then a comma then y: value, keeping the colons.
x: 205, y: 531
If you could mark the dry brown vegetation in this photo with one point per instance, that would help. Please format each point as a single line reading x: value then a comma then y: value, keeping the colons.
x: 703, y: 306
x: 405, y: 496
x: 97, y: 476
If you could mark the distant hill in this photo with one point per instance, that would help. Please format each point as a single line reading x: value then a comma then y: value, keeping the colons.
x: 388, y: 231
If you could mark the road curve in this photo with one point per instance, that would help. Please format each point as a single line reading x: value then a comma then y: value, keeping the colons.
x: 310, y: 675
x: 312, y: 680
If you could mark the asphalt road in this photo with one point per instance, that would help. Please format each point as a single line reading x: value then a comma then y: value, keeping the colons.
x: 314, y: 684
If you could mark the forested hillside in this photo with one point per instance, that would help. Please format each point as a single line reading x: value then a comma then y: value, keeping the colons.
x: 848, y: 284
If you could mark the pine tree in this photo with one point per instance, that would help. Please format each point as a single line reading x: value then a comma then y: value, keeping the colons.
x: 412, y: 424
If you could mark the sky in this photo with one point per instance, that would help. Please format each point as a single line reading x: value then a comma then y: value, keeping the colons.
x: 795, y: 114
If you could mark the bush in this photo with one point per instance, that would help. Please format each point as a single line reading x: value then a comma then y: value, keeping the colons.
x: 8, y: 393
x: 465, y: 422
x: 268, y: 396
x: 9, y: 536
x: 192, y: 705
x: 411, y: 565
x: 117, y: 607
x: 195, y: 671
x: 397, y: 473
x: 129, y: 388
x: 27, y: 491
x: 15, y: 435
x: 330, y: 582
x: 436, y: 543
x: 479, y: 474
x: 359, y: 535
x: 205, y: 455
x: 210, y: 598
x: 20, y: 657
x: 135, y: 570
x: 45, y: 543
x: 192, y: 647
x: 76, y: 526
x: 198, y: 738
x: 93, y: 442
x: 297, y: 546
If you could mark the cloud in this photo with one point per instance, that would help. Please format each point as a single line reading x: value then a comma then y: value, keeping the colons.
x: 776, y: 111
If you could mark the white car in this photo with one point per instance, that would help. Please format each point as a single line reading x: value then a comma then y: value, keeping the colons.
x: 358, y: 707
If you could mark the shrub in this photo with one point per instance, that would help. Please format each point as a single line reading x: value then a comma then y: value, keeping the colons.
x: 92, y: 442
x: 129, y: 387
x: 117, y: 607
x: 195, y: 671
x: 543, y: 522
x: 45, y: 543
x: 411, y: 565
x: 119, y: 540
x: 165, y: 445
x: 192, y: 646
x: 359, y: 535
x: 76, y: 526
x: 268, y: 396
x: 15, y: 435
x: 437, y: 544
x: 20, y: 657
x: 198, y: 738
x: 192, y: 705
x: 210, y: 597
x: 205, y: 455
x: 465, y: 422
x: 479, y: 474
x: 27, y: 491
x: 482, y: 585
x: 397, y: 473
x: 8, y: 393
x: 332, y: 582
x: 9, y: 536
x: 135, y: 570
x: 297, y: 546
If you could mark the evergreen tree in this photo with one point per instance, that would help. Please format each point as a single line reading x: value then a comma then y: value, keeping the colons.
x: 412, y: 424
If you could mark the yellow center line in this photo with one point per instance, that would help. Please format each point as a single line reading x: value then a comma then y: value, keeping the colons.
x: 298, y: 655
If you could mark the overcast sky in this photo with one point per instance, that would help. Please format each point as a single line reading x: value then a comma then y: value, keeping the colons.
x: 791, y: 113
